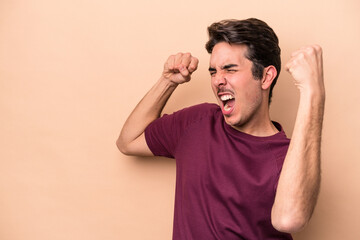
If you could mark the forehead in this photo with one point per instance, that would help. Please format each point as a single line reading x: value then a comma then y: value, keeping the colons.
x: 223, y: 53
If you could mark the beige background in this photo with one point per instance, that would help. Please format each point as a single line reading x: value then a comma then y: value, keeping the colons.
x: 70, y: 73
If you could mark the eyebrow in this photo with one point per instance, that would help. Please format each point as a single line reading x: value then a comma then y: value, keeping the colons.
x: 227, y: 66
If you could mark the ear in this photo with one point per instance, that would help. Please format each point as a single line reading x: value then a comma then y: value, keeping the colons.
x: 269, y: 75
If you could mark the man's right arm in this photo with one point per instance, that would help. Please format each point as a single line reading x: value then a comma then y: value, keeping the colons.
x: 177, y: 70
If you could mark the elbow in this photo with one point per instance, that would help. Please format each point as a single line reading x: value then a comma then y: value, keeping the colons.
x: 122, y: 147
x: 289, y: 224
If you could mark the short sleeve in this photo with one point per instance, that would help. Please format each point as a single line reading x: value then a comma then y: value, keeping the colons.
x: 279, y: 148
x: 163, y: 135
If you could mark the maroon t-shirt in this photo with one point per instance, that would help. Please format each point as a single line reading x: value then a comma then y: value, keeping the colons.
x: 225, y: 179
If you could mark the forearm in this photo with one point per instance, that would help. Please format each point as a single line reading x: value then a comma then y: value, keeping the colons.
x: 177, y: 70
x: 147, y: 110
x: 299, y: 182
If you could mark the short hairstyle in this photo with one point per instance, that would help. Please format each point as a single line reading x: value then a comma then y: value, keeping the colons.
x: 261, y: 41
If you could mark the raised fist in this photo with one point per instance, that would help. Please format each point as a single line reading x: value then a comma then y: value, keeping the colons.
x: 178, y: 68
x: 306, y: 67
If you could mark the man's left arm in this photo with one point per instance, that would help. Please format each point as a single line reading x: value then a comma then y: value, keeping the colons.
x: 299, y: 181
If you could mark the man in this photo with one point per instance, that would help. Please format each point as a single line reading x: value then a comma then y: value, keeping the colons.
x: 238, y: 176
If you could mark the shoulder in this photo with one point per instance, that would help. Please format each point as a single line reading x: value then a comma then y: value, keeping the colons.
x: 164, y: 133
x: 197, y: 112
x: 202, y: 107
x: 181, y: 119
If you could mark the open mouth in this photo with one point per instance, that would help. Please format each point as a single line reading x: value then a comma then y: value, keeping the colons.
x: 228, y: 102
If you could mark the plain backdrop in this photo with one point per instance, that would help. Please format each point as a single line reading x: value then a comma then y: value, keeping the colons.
x: 71, y: 71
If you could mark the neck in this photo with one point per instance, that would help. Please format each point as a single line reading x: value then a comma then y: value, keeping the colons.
x: 259, y: 124
x: 265, y: 130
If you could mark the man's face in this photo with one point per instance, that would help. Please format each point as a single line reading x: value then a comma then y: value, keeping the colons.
x: 238, y: 93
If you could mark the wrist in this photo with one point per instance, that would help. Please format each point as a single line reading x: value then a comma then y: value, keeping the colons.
x: 312, y: 101
x: 167, y: 82
x: 313, y: 95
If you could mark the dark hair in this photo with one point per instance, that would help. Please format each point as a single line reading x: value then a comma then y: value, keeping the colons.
x: 261, y: 41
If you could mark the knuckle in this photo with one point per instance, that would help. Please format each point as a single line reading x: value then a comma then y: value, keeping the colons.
x: 177, y: 56
x: 301, y: 55
x: 170, y: 58
x: 195, y: 62
x: 318, y: 49
x: 308, y: 50
x: 191, y: 69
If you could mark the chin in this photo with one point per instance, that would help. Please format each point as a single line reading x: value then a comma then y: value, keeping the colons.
x: 232, y: 121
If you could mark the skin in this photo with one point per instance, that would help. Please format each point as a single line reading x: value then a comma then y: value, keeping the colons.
x: 231, y: 74
x: 299, y: 181
x: 177, y: 70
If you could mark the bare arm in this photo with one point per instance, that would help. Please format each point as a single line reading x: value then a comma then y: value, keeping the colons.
x: 177, y: 70
x: 299, y: 181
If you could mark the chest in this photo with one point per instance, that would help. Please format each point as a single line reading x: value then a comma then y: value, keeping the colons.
x: 217, y: 164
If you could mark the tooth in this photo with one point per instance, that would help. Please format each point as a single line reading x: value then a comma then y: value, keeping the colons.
x: 226, y: 97
x: 226, y: 107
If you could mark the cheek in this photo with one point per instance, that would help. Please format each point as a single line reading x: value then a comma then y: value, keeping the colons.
x: 214, y: 89
x: 212, y: 85
x: 251, y: 94
x: 253, y: 98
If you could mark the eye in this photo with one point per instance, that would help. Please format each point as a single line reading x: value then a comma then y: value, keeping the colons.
x: 231, y: 70
x: 212, y: 73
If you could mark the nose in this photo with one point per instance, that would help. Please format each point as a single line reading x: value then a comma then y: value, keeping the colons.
x: 220, y: 79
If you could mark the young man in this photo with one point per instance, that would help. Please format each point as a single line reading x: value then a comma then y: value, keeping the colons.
x: 238, y: 176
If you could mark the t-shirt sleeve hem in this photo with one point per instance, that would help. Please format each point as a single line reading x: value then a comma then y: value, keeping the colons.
x: 152, y: 147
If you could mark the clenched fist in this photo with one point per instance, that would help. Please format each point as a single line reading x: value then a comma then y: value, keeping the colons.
x: 178, y: 68
x: 306, y: 67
